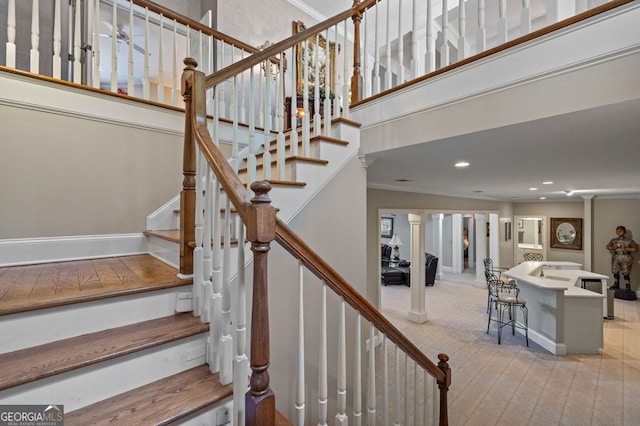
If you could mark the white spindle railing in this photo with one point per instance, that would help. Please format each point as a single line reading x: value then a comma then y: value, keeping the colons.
x: 300, y: 358
x: 357, y: 374
x: 34, y: 53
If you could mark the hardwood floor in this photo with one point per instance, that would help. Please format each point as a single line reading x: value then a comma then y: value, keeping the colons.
x: 31, y: 287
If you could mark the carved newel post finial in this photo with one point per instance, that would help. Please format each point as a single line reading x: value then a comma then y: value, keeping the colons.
x: 261, y: 230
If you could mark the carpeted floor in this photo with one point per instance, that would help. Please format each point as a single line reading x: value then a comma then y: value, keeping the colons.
x: 511, y: 384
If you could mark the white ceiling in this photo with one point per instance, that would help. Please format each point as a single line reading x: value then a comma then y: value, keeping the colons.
x: 594, y: 152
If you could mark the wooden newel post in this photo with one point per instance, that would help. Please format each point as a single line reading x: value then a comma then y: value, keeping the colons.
x: 443, y: 365
x: 261, y: 230
x: 188, y: 193
x: 355, y: 78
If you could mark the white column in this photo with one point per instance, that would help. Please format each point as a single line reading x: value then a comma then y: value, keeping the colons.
x: 472, y: 243
x: 494, y: 238
x: 587, y: 233
x: 417, y: 314
x: 437, y: 235
x: 457, y: 249
x: 481, y: 246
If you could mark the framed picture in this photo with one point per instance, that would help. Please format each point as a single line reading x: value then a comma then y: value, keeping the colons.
x: 566, y: 233
x: 314, y: 45
x: 386, y: 227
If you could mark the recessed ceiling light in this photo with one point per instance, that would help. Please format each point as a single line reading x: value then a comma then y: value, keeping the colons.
x: 477, y: 191
x: 533, y: 189
x: 543, y: 198
x: 547, y: 182
x: 462, y: 164
x: 403, y: 180
x: 569, y: 193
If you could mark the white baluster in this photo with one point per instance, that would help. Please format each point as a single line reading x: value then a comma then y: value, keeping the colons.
x: 376, y: 50
x: 226, y: 341
x: 430, y: 55
x: 415, y: 59
x: 327, y: 87
x: 346, y: 91
x: 130, y: 82
x: 425, y: 397
x: 341, y: 404
x: 336, y: 80
x: 300, y: 382
x: 357, y: 376
x: 481, y: 34
x: 114, y: 48
x: 406, y: 393
x: 251, y: 158
x: 366, y: 79
x: 161, y: 61
x: 175, y: 89
x: 92, y: 36
x: 96, y: 44
x: 385, y: 381
x: 281, y: 147
x: 397, y: 418
x: 146, y: 84
x: 415, y: 394
x: 401, y: 78
x: 77, y: 45
x: 525, y: 17
x: 198, y: 277
x: 316, y: 89
x: 305, y: 103
x: 222, y: 106
x: 502, y: 22
x: 322, y: 368
x: 444, y: 48
x: 371, y: 385
x: 11, y: 34
x: 462, y: 23
x: 266, y: 141
x: 243, y: 108
x: 388, y: 73
x: 294, y: 103
x: 581, y: 5
x: 205, y: 288
x: 241, y: 362
x: 215, y: 307
x: 34, y: 53
x: 57, y: 40
x: 435, y: 411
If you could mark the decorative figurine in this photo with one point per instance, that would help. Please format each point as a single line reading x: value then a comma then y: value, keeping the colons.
x: 621, y: 249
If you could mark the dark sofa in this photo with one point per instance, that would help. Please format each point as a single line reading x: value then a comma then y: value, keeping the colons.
x: 402, y: 274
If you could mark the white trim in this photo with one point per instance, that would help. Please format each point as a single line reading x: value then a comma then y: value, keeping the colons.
x: 24, y: 251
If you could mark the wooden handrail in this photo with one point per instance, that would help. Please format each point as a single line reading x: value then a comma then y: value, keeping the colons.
x: 277, y: 48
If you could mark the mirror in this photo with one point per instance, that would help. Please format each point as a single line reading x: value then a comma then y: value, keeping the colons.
x: 529, y: 232
x: 566, y: 233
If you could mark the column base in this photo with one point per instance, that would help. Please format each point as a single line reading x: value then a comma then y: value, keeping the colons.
x: 417, y: 317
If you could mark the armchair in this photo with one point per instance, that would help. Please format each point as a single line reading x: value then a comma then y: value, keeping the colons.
x: 431, y: 267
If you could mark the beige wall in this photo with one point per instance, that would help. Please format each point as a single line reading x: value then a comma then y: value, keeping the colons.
x: 378, y: 199
x: 63, y: 175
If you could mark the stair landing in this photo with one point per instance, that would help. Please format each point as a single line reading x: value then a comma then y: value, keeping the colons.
x: 31, y: 287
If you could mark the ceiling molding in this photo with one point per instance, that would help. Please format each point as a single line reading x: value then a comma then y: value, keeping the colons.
x: 308, y: 10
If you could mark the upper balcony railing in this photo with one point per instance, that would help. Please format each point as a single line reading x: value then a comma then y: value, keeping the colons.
x: 136, y: 47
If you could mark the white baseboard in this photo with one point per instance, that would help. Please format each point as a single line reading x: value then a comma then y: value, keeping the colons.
x: 25, y: 251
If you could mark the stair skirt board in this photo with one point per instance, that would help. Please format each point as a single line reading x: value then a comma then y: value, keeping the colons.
x: 164, y: 250
x: 26, y: 251
x: 165, y: 217
x: 23, y: 330
x: 78, y: 388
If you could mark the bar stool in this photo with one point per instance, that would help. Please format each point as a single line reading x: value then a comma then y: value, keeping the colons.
x: 505, y: 299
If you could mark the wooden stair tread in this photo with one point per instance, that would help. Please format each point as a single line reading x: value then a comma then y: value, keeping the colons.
x: 159, y: 403
x: 65, y: 283
x: 30, y: 364
x: 169, y: 235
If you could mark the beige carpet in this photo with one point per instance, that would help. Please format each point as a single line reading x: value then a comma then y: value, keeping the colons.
x: 511, y: 384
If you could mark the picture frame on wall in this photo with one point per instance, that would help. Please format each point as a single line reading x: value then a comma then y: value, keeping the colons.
x: 566, y: 233
x: 386, y: 227
x: 507, y: 231
x: 316, y: 52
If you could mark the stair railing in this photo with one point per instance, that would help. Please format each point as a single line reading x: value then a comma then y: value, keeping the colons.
x: 212, y: 295
x: 263, y: 227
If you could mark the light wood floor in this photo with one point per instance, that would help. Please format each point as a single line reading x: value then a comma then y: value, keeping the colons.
x: 30, y: 287
x: 511, y: 384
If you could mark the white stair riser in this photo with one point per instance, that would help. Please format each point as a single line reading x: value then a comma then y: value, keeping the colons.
x: 28, y: 329
x: 81, y: 387
x: 167, y: 251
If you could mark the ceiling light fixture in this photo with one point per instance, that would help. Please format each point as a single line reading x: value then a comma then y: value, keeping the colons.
x: 462, y: 164
x: 543, y: 198
x: 547, y: 182
x: 533, y: 189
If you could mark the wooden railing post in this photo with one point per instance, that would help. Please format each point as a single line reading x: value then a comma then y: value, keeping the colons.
x: 355, y: 78
x: 444, y: 388
x: 261, y: 230
x: 188, y: 193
